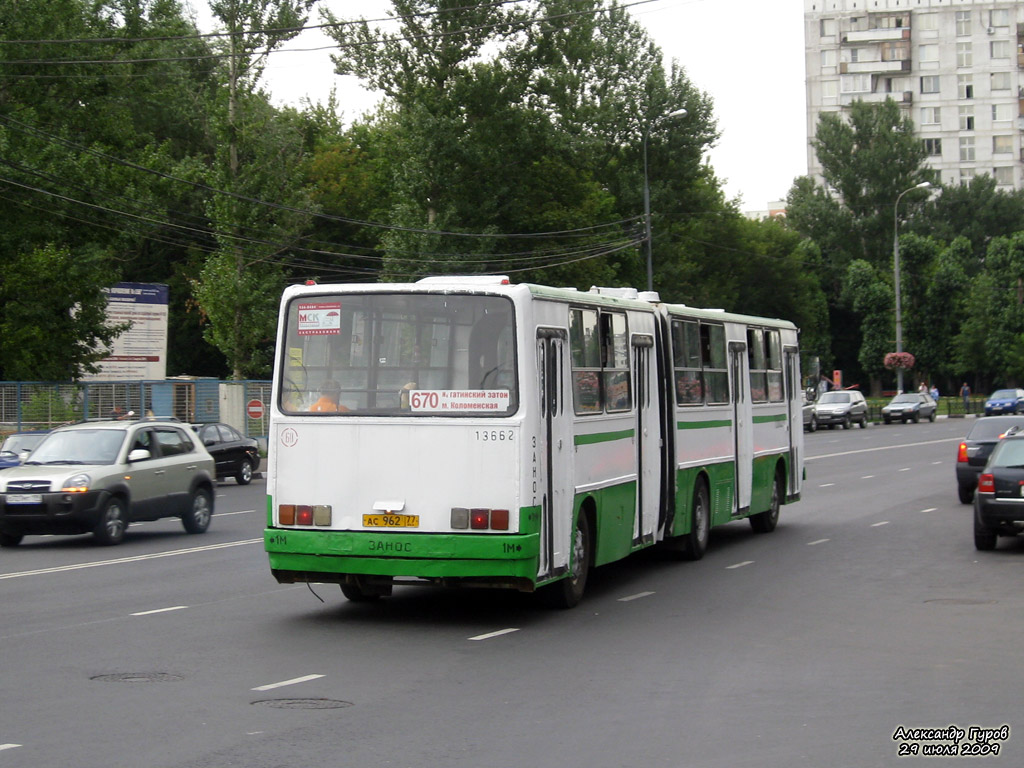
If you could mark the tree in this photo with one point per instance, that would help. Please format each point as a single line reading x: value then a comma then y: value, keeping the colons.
x: 870, y: 295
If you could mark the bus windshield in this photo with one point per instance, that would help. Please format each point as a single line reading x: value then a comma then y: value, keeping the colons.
x: 399, y: 354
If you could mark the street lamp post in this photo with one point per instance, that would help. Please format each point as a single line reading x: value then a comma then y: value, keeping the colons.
x: 896, y: 275
x: 647, y: 192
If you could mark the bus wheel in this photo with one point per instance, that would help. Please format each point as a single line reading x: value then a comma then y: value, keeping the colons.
x: 358, y: 590
x: 695, y: 543
x: 765, y: 522
x: 567, y: 592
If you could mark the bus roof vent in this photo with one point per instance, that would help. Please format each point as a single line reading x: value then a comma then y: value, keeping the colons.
x: 464, y: 280
x: 651, y: 297
x: 618, y: 293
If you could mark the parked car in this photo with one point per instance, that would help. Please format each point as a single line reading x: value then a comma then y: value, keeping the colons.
x: 1005, y: 401
x: 999, y: 501
x: 236, y: 456
x: 910, y: 406
x: 810, y: 417
x: 16, y: 445
x: 845, y: 407
x: 974, y: 450
x: 98, y: 477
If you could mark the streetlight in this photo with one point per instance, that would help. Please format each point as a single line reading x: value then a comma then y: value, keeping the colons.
x: 647, y: 192
x: 896, y: 275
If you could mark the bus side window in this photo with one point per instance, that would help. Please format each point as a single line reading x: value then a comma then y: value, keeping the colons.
x: 686, y: 357
x: 713, y: 360
x: 584, y: 342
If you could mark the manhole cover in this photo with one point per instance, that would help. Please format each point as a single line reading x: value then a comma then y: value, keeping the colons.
x: 961, y: 601
x: 138, y: 677
x: 303, y: 703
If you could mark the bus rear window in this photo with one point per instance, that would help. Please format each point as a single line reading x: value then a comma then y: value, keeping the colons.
x: 401, y: 354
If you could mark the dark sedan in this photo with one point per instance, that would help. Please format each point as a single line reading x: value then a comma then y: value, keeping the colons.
x: 999, y: 501
x: 236, y: 456
x: 975, y: 449
x: 910, y: 406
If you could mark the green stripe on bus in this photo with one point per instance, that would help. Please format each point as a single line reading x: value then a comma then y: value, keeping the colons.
x: 602, y: 437
x: 767, y: 419
x: 704, y: 424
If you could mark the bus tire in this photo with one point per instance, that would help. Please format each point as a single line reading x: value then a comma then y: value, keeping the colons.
x: 765, y: 522
x: 695, y: 543
x: 567, y: 592
x: 357, y: 591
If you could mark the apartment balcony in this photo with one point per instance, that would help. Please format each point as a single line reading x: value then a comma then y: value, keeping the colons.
x: 876, y: 35
x: 873, y: 67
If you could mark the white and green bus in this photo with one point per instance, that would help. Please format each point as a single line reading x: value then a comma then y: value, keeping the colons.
x: 470, y: 432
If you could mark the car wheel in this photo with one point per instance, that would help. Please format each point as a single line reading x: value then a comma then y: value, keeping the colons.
x: 197, y: 519
x: 965, y: 492
x: 813, y: 426
x: 847, y: 423
x: 864, y: 421
x: 931, y: 416
x: 10, y: 539
x: 765, y: 522
x: 244, y: 476
x: 567, y: 592
x: 984, y: 538
x: 695, y: 543
x: 917, y: 418
x: 113, y: 521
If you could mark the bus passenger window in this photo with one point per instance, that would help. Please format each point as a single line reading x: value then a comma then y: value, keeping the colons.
x: 686, y: 357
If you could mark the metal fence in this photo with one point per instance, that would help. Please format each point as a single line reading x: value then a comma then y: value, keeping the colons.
x: 30, y: 405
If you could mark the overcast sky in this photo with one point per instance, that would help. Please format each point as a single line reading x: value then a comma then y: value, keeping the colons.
x: 747, y: 54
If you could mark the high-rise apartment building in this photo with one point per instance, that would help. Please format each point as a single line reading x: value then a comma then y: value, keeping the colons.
x: 956, y: 67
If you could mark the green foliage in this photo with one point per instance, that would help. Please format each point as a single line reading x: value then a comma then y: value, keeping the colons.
x: 871, y: 297
x: 46, y: 408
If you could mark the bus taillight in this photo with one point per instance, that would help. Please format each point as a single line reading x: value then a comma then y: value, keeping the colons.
x: 304, y: 514
x: 479, y: 519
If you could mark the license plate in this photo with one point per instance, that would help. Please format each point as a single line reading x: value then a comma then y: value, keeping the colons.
x: 391, y: 521
x: 24, y: 498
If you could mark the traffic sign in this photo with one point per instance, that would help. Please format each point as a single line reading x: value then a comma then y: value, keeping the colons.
x: 254, y: 409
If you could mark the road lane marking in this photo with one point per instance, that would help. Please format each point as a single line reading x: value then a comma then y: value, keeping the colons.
x: 884, y: 522
x: 283, y: 683
x: 160, y: 610
x: 882, y: 448
x: 739, y: 565
x: 489, y: 635
x: 8, y: 746
x: 816, y: 542
x: 134, y: 559
x: 905, y: 469
x: 930, y: 509
x: 868, y: 477
x: 826, y: 485
x: 637, y: 596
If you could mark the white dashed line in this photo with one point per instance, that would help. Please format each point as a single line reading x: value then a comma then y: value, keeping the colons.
x: 868, y: 477
x: 739, y: 565
x: 283, y: 683
x: 637, y: 596
x: 489, y: 635
x: 905, y: 469
x: 816, y: 542
x: 930, y: 509
x: 8, y: 746
x: 160, y: 610
x: 884, y: 522
x: 826, y: 485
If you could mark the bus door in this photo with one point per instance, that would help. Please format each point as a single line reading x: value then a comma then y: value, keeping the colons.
x: 648, y: 437
x: 794, y: 408
x: 742, y: 418
x: 555, y: 447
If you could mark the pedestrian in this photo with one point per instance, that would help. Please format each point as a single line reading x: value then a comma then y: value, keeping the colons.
x: 965, y: 393
x: 935, y: 394
x: 922, y: 388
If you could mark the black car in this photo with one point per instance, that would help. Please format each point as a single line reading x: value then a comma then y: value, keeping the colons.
x: 999, y: 501
x: 975, y: 449
x: 236, y: 456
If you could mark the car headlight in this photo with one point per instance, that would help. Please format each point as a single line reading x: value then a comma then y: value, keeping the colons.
x: 77, y: 484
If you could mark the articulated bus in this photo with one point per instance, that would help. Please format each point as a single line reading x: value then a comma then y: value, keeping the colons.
x: 470, y: 432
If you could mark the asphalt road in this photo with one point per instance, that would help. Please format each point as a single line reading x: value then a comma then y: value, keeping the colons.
x: 868, y: 609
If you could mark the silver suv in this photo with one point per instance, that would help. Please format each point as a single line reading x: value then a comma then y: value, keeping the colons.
x: 846, y: 407
x: 97, y: 477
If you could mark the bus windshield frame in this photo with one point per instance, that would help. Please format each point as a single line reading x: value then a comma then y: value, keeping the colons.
x: 399, y: 354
